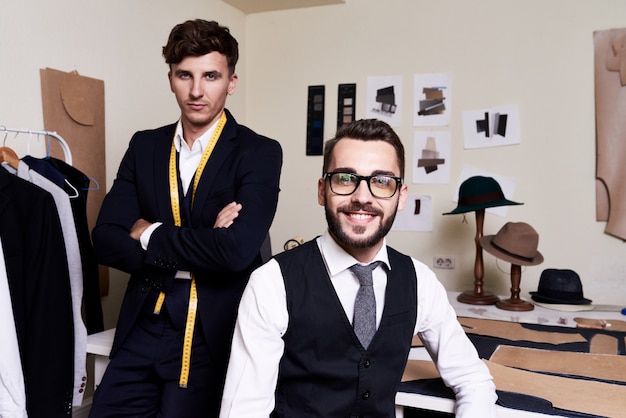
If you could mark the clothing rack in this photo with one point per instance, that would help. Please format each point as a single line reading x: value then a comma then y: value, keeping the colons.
x: 48, y: 134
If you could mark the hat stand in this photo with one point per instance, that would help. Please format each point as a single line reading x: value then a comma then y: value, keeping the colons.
x: 478, y: 296
x: 514, y: 303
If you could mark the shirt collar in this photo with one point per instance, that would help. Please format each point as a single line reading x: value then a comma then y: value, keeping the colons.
x: 203, y: 140
x: 337, y: 259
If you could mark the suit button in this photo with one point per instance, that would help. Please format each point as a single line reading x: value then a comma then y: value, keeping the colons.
x: 367, y: 363
x: 366, y: 395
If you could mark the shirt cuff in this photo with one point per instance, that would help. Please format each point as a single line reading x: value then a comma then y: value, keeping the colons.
x: 144, y: 239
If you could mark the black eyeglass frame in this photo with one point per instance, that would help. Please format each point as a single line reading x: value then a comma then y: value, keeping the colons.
x: 368, y: 179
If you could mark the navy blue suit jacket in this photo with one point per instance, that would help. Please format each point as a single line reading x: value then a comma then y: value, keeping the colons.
x: 244, y: 167
x: 38, y: 277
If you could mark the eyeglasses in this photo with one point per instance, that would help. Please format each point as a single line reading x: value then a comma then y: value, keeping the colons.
x: 380, y: 185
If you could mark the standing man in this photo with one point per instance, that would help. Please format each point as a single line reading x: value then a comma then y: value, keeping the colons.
x: 186, y: 217
x: 295, y: 352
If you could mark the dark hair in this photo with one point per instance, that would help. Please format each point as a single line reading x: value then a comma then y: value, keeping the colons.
x: 199, y: 37
x: 366, y: 130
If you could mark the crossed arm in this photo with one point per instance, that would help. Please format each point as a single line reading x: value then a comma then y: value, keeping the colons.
x: 224, y: 219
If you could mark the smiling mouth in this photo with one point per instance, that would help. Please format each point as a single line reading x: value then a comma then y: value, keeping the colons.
x: 360, y: 216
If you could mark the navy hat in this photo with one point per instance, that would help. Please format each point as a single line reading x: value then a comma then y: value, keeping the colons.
x: 480, y: 192
x: 561, y: 286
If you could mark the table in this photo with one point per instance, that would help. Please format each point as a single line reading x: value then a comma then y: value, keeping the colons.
x: 539, y: 315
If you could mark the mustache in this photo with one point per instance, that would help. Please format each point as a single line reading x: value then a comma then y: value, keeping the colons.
x: 356, y: 207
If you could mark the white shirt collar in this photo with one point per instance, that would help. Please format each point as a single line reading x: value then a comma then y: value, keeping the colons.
x: 203, y: 140
x: 338, y: 260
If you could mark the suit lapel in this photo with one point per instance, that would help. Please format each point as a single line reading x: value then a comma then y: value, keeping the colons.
x: 161, y: 157
x: 210, y: 176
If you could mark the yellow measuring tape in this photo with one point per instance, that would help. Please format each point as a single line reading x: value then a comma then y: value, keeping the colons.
x: 175, y: 203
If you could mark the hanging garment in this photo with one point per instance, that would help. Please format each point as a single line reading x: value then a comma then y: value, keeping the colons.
x: 12, y: 392
x: 37, y: 271
x: 59, y: 172
x: 64, y: 209
x: 610, y: 101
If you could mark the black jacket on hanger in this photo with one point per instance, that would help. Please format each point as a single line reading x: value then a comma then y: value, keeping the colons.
x: 36, y: 264
x: 55, y: 169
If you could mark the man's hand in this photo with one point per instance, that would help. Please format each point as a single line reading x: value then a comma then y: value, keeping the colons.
x: 138, y: 228
x: 227, y: 216
x: 224, y: 219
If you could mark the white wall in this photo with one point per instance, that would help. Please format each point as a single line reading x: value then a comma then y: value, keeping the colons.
x: 534, y: 53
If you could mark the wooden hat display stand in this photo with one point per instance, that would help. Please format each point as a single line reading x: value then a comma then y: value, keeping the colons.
x: 516, y: 243
x: 476, y: 194
x: 478, y: 296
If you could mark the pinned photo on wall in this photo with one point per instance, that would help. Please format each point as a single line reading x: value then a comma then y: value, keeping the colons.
x: 417, y: 214
x: 507, y: 185
x: 431, y: 157
x: 384, y: 95
x: 492, y: 127
x: 432, y: 99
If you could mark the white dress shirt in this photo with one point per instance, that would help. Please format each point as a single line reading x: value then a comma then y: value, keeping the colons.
x: 263, y: 319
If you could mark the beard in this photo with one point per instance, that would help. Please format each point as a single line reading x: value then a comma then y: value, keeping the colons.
x: 345, y: 240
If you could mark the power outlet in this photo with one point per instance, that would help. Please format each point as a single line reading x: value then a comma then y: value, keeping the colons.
x: 443, y: 262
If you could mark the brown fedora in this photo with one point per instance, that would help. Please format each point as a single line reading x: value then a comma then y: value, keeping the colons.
x: 515, y: 242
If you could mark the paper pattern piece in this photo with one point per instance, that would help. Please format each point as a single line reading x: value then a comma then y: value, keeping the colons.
x: 419, y: 369
x: 515, y: 331
x: 599, y: 398
x: 609, y: 325
x: 610, y: 101
x: 604, y: 344
x: 73, y: 106
x: 597, y: 366
x: 586, y: 396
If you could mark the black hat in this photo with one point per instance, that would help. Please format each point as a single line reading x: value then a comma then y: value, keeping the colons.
x: 561, y: 286
x: 480, y: 192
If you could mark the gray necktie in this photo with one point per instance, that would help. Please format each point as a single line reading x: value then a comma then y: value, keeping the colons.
x: 364, y: 322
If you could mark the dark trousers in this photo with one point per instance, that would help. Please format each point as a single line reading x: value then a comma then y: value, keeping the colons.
x: 142, y: 379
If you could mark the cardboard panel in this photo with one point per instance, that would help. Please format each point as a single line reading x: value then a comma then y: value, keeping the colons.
x: 73, y: 107
x: 597, y: 366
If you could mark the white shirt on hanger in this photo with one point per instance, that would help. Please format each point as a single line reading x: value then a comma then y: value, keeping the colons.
x: 12, y: 390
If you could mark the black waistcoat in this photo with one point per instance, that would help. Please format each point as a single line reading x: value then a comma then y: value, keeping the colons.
x: 325, y: 372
